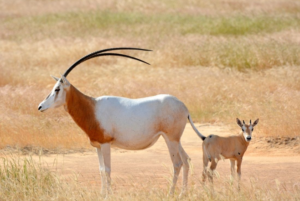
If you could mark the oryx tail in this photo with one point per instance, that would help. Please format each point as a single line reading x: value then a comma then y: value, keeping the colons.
x: 195, y: 129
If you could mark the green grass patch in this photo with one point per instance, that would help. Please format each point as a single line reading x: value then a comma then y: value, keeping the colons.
x: 241, y: 53
x: 237, y: 25
x: 95, y: 23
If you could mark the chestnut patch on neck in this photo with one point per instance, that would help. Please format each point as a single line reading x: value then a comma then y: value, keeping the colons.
x: 82, y: 110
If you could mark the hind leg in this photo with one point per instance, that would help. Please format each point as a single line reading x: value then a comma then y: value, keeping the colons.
x: 213, y: 166
x: 173, y: 147
x: 186, y: 166
x: 205, y: 166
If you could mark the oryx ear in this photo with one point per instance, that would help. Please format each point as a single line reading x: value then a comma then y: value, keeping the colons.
x: 256, y: 122
x: 65, y: 81
x: 239, y: 122
x: 55, y: 78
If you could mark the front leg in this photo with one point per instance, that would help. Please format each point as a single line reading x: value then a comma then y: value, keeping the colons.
x: 239, y: 171
x: 103, y: 152
x: 105, y: 164
x: 105, y: 148
x: 102, y: 170
x: 232, y: 162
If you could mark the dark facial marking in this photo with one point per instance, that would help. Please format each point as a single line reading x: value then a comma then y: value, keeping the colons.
x: 56, y: 90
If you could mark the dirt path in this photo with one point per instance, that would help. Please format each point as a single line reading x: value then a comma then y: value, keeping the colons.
x: 154, y: 163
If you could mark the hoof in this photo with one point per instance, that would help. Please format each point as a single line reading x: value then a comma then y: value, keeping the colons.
x: 171, y: 194
x: 183, y: 194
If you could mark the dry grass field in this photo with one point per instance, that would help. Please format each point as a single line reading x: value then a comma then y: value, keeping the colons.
x: 223, y: 58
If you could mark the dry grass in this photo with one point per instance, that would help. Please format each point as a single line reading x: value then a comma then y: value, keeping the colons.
x: 211, y: 94
x: 28, y: 179
x: 223, y: 59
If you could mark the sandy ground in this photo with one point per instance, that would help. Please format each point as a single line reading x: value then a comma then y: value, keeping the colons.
x: 153, y: 164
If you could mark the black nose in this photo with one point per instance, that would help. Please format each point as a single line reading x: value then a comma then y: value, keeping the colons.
x: 248, y: 138
x: 39, y: 107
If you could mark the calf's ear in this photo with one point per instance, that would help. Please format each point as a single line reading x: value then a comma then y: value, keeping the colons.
x: 239, y: 122
x: 256, y: 122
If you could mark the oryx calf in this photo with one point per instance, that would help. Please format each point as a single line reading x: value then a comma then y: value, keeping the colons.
x: 231, y: 147
x: 131, y: 124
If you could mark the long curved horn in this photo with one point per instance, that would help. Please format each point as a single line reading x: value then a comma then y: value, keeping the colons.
x: 98, y: 54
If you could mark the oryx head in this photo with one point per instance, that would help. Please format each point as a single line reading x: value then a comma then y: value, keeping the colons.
x: 247, y: 129
x: 57, y: 96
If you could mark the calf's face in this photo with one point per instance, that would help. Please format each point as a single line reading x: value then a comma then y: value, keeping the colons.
x: 247, y: 129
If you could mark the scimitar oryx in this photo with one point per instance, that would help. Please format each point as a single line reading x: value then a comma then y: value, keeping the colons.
x: 131, y: 124
x: 232, y: 147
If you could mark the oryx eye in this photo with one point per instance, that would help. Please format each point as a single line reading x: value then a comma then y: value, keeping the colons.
x: 57, y: 89
x: 252, y: 129
x: 242, y: 129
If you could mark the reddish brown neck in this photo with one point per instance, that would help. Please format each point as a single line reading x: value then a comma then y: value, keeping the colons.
x: 82, y: 110
x: 80, y: 106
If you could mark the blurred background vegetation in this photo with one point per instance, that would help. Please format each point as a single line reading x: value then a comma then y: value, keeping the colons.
x: 223, y: 59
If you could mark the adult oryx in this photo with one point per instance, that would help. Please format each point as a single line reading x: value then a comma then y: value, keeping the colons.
x: 132, y: 124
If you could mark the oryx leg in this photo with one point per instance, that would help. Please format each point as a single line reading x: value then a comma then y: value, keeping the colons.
x: 105, y: 165
x: 232, y: 162
x: 173, y: 147
x: 186, y: 166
